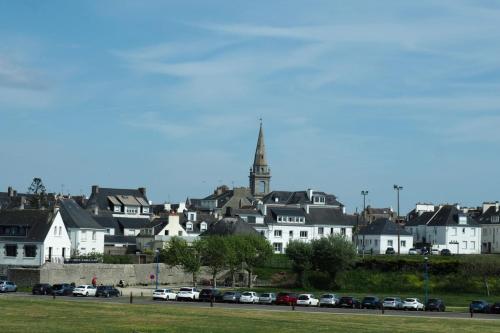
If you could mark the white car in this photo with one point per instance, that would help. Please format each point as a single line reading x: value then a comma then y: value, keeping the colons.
x: 188, y: 293
x: 84, y: 290
x: 249, y: 297
x: 413, y: 304
x: 412, y: 251
x: 329, y: 300
x: 307, y: 300
x: 164, y: 294
x: 267, y: 298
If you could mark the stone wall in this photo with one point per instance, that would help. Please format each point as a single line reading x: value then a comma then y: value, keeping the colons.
x: 137, y: 274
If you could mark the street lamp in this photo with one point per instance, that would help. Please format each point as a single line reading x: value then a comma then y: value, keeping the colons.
x: 157, y: 266
x: 364, y: 193
x: 398, y: 188
x: 426, y: 278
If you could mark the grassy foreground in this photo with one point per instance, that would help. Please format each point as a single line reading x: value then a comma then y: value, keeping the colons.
x: 25, y: 315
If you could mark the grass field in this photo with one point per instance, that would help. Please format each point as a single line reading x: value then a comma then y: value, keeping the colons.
x: 25, y: 315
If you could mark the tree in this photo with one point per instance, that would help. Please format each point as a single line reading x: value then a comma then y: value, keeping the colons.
x: 332, y: 255
x: 300, y: 253
x: 188, y: 256
x: 255, y: 250
x: 38, y: 198
x: 234, y: 256
x: 214, y: 255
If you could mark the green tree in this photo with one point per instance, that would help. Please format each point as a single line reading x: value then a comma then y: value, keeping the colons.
x: 38, y: 197
x: 255, y: 251
x: 214, y: 255
x: 188, y: 256
x: 300, y: 253
x: 234, y: 256
x: 332, y: 255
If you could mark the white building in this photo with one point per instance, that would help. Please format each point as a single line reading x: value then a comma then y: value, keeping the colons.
x: 445, y: 227
x: 32, y: 237
x: 159, y: 231
x: 86, y: 235
x: 490, y: 227
x: 382, y: 234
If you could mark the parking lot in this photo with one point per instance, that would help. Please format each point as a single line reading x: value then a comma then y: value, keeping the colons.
x: 125, y: 299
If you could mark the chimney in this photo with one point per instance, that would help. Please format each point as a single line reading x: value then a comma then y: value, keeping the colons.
x: 95, y: 189
x: 310, y: 193
x: 55, y: 209
x: 23, y: 201
x: 142, y: 190
x: 10, y: 191
x: 96, y: 210
x: 497, y: 206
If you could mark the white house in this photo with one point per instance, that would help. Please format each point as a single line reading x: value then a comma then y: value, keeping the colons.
x: 86, y: 235
x: 382, y: 234
x: 32, y: 237
x: 490, y: 227
x: 159, y: 231
x: 445, y: 227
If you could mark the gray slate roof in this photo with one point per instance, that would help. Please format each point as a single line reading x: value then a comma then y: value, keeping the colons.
x: 37, y: 222
x: 447, y: 215
x: 119, y: 239
x: 230, y: 226
x: 76, y: 217
x: 101, y: 198
x: 329, y: 216
x: 383, y: 227
x: 485, y: 217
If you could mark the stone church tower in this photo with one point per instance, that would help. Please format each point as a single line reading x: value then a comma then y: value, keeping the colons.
x: 260, y: 173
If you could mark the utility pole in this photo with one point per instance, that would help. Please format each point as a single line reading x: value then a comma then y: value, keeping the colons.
x: 364, y: 193
x: 398, y: 188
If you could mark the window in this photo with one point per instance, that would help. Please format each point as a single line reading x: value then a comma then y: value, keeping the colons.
x: 495, y: 219
x: 60, y: 231
x: 464, y: 245
x: 342, y: 231
x: 376, y: 242
x: 279, y: 218
x: 262, y: 233
x: 277, y: 233
x: 403, y: 243
x: 473, y: 231
x: 30, y: 251
x: 262, y: 187
x: 189, y: 226
x: 192, y: 217
x: 84, y: 235
x: 166, y: 232
x: 454, y: 231
x: 320, y: 230
x: 94, y: 235
x: 289, y: 219
x: 108, y: 231
x: 278, y: 247
x: 473, y: 245
x: 203, y: 226
x: 290, y: 233
x: 331, y: 231
x: 11, y: 250
x: 389, y: 242
x: 55, y: 231
x: 303, y: 234
x: 463, y: 230
x: 179, y: 233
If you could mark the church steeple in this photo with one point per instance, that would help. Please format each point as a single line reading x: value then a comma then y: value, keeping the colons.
x: 260, y: 173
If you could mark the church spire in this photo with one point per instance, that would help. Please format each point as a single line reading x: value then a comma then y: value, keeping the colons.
x: 260, y: 174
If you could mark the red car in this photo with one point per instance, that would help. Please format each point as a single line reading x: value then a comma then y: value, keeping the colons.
x: 286, y: 298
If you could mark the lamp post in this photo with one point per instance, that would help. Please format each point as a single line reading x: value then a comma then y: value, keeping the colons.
x: 426, y: 278
x: 364, y: 193
x: 157, y: 266
x: 398, y: 188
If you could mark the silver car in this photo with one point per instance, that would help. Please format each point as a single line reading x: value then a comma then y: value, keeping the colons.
x: 267, y: 298
x: 329, y: 300
x: 392, y: 303
x: 6, y: 286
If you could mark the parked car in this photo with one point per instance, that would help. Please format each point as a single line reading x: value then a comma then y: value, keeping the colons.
x: 62, y: 289
x: 371, y: 302
x: 164, y: 294
x: 445, y: 252
x: 188, y: 294
x: 231, y: 297
x: 479, y: 306
x: 41, y: 289
x: 434, y: 251
x: 84, y: 290
x: 413, y: 304
x: 6, y: 286
x: 267, y: 298
x: 412, y: 251
x: 330, y: 300
x: 206, y: 295
x: 435, y: 304
x: 349, y: 302
x: 392, y: 303
x: 107, y: 291
x: 495, y: 308
x: 307, y: 300
x: 390, y: 250
x: 286, y: 298
x: 249, y: 297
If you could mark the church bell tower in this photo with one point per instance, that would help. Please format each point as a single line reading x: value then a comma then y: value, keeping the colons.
x: 260, y: 173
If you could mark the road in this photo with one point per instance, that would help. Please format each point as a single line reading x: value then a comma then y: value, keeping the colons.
x: 258, y: 307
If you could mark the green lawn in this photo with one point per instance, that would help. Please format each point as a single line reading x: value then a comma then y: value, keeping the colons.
x: 47, y: 315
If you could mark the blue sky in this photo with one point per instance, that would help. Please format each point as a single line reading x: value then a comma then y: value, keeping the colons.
x: 168, y: 94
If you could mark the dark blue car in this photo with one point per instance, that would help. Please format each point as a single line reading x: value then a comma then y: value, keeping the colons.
x: 479, y: 306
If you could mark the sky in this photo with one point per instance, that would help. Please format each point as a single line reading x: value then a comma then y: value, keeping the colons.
x: 354, y: 95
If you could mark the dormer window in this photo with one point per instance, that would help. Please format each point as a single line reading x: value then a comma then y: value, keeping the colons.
x: 495, y: 219
x: 192, y: 216
x: 189, y: 226
x: 145, y: 210
x: 203, y: 226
